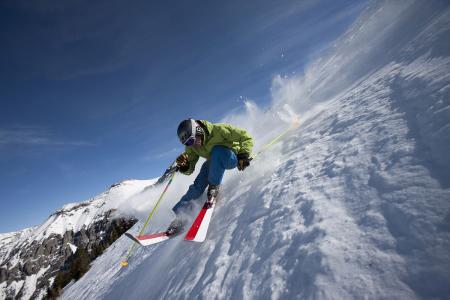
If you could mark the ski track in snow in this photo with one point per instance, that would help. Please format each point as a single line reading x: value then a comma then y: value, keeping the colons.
x: 356, y: 205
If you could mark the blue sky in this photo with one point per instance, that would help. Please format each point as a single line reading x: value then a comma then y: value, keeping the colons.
x: 92, y: 91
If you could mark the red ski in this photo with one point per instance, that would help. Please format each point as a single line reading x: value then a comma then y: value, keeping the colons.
x: 149, y: 239
x: 198, y: 230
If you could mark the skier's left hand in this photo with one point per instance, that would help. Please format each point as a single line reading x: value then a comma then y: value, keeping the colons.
x: 243, y: 161
x: 183, y: 162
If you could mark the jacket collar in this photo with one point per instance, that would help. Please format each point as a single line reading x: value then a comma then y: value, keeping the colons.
x: 207, y: 126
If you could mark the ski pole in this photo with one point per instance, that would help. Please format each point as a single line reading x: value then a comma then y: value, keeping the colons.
x: 174, y: 170
x: 157, y: 204
x: 275, y: 140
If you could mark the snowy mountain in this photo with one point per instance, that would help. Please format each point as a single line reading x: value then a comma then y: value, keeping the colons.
x: 353, y: 204
x: 30, y: 259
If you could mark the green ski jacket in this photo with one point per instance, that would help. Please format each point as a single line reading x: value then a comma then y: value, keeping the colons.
x: 237, y: 139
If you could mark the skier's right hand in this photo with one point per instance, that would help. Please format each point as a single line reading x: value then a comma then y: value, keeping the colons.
x: 182, y: 161
x: 243, y: 161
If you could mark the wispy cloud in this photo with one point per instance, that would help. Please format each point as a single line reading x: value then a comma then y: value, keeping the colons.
x: 169, y: 153
x: 34, y: 136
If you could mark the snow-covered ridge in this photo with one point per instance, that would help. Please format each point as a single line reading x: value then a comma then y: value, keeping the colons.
x: 30, y: 256
x: 75, y: 216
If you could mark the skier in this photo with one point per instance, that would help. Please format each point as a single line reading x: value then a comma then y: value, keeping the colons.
x: 224, y: 146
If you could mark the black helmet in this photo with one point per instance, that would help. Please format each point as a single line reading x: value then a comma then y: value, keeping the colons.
x: 188, y: 130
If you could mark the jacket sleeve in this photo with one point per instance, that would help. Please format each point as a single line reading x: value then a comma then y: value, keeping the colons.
x: 192, y: 158
x: 235, y: 134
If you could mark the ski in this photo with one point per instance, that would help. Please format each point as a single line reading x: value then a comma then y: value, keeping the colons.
x: 149, y: 239
x: 199, y: 228
x: 197, y: 232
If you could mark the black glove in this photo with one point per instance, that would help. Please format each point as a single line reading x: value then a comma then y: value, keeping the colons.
x: 243, y: 161
x: 183, y: 162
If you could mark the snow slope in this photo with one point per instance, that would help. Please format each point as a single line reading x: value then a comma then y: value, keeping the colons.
x: 353, y: 204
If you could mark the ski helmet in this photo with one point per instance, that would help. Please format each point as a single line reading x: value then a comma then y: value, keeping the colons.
x: 188, y: 130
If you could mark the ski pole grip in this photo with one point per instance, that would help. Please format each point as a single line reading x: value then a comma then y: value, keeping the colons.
x: 174, y: 169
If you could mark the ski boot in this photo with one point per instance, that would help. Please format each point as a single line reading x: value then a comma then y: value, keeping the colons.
x: 175, y: 227
x: 213, y: 192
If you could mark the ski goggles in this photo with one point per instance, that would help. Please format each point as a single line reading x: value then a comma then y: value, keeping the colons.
x: 190, y: 141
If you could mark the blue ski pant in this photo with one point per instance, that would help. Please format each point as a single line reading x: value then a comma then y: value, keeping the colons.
x: 222, y: 158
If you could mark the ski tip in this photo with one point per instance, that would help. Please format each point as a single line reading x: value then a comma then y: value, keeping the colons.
x: 123, y: 263
x: 129, y: 235
x: 132, y: 237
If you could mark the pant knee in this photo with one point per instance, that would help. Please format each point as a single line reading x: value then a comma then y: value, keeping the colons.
x: 224, y: 157
x: 196, y: 189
